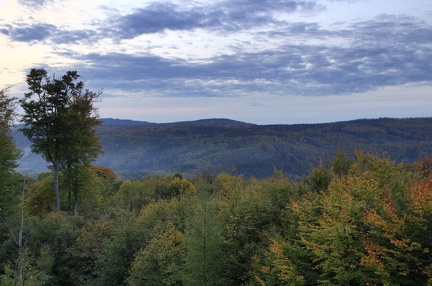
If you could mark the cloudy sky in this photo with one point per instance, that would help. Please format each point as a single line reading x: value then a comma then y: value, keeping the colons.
x: 259, y: 61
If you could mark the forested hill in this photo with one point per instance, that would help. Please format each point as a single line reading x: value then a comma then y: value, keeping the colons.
x: 137, y: 149
x: 201, y: 122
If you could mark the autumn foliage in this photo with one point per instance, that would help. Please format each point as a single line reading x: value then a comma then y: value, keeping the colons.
x: 362, y: 220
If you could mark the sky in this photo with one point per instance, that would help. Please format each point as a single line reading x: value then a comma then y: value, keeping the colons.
x: 257, y: 61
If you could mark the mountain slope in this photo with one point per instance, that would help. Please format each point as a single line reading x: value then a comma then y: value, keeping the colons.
x: 222, y: 145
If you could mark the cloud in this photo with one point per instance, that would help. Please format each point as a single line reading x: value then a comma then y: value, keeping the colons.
x: 223, y: 15
x: 34, y: 3
x: 382, y: 52
x: 395, y: 30
x: 45, y: 32
x: 28, y: 33
x: 60, y: 36
x: 156, y: 18
x: 295, y: 58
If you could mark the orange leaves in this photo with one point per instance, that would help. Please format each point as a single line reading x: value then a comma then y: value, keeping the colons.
x: 373, y: 258
x: 389, y: 220
x: 105, y: 172
x: 369, y: 227
x: 420, y: 196
x: 397, y: 234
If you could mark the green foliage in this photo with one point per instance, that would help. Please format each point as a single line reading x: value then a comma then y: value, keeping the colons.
x: 84, y: 189
x: 8, y: 278
x: 160, y: 261
x: 248, y: 211
x: 118, y: 248
x: 58, y: 232
x: 357, y: 232
x: 340, y: 164
x: 88, y: 248
x: 135, y: 194
x: 59, y: 121
x: 45, y: 251
x: 37, y: 271
x: 205, y: 260
x: 278, y: 267
x: 10, y: 193
x: 359, y: 221
x: 8, y: 153
x: 56, y: 110
x: 40, y: 200
x: 319, y: 179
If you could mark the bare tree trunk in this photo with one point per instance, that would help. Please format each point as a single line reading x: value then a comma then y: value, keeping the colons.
x: 75, y: 206
x: 56, y: 183
x: 20, y: 239
x: 70, y: 208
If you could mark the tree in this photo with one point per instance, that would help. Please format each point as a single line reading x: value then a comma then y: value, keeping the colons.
x: 278, y: 268
x: 8, y: 151
x: 118, y: 249
x: 205, y: 260
x: 59, y: 120
x: 18, y: 239
x: 31, y: 268
x: 81, y: 124
x: 57, y: 233
x: 319, y: 179
x: 159, y: 262
x: 369, y: 228
x: 84, y: 186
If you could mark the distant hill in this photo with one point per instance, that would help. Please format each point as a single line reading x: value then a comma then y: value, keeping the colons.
x: 200, y: 122
x: 137, y: 149
x: 116, y: 122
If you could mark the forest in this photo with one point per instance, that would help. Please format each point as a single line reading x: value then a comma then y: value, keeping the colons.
x: 135, y: 149
x: 362, y: 220
x: 359, y: 218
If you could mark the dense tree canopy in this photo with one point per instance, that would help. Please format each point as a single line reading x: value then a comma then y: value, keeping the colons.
x: 361, y: 220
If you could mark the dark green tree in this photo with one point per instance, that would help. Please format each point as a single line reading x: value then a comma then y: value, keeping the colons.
x: 205, y: 260
x: 59, y: 120
x: 340, y: 163
x: 8, y: 151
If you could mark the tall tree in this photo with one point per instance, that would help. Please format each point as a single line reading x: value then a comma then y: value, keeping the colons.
x: 205, y: 258
x: 8, y: 151
x: 81, y: 125
x: 59, y: 120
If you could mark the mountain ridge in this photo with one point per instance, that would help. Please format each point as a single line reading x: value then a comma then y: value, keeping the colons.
x: 133, y: 149
x: 203, y: 122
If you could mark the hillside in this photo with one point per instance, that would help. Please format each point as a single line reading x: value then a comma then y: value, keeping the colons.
x: 137, y: 149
